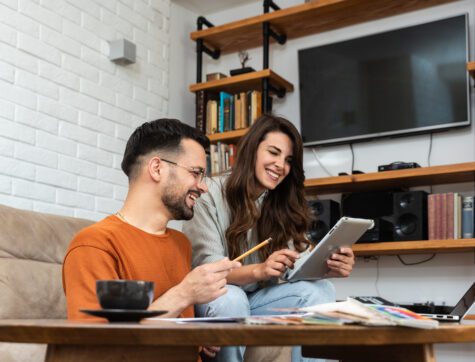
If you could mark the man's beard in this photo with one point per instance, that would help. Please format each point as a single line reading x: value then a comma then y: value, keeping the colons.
x: 176, y: 204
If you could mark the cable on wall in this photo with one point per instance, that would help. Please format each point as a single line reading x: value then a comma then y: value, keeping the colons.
x: 429, y: 154
x: 417, y: 262
x: 430, y: 149
x: 352, y: 158
x: 320, y: 163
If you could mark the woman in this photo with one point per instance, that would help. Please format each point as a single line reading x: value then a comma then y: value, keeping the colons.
x: 262, y: 197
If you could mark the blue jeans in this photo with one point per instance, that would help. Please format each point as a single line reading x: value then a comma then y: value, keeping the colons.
x: 237, y: 303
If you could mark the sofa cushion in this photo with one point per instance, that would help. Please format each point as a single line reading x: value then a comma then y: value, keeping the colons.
x: 32, y: 248
x: 31, y: 290
x: 35, y: 236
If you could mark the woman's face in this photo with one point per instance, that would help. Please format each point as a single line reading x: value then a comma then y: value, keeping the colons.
x: 274, y: 156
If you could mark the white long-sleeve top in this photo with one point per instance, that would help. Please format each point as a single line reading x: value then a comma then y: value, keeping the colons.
x: 207, y: 229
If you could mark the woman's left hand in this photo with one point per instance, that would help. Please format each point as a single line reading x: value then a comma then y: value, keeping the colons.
x: 341, y: 263
x: 210, y: 351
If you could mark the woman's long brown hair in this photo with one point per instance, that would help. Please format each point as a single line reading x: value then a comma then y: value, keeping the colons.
x: 284, y: 214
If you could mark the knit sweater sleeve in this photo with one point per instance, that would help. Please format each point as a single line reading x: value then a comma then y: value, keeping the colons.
x: 206, y: 230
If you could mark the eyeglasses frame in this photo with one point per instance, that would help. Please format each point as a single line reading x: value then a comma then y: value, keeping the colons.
x: 198, y: 172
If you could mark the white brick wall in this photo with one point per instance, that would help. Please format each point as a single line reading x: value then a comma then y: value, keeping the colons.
x: 66, y: 111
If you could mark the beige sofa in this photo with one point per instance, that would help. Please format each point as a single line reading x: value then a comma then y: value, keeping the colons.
x: 32, y: 247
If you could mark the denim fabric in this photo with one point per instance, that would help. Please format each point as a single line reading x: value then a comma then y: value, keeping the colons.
x: 238, y: 303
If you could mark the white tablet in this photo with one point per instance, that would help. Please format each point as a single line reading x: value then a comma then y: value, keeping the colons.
x: 312, y: 264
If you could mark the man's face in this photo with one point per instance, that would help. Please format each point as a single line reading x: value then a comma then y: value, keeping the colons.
x: 184, y: 184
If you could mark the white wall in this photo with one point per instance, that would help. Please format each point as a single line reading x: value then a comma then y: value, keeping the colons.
x: 66, y: 111
x: 182, y: 64
x: 446, y: 277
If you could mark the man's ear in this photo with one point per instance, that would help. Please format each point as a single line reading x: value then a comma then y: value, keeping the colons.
x: 154, y: 168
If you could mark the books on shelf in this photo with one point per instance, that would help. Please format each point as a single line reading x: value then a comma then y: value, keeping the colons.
x: 221, y: 157
x: 467, y: 217
x: 446, y: 217
x: 222, y: 112
x: 211, y: 116
x: 200, y: 122
x: 350, y: 311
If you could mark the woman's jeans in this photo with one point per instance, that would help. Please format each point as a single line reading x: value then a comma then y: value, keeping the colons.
x: 237, y: 303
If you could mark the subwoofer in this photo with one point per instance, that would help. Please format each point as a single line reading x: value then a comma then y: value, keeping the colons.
x: 325, y: 214
x: 410, y: 215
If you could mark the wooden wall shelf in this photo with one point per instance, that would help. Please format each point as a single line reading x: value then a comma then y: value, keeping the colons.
x: 435, y: 175
x: 300, y: 20
x: 414, y: 247
x: 240, y: 83
x: 228, y: 137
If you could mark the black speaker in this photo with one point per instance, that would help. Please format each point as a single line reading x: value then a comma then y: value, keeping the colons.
x: 325, y: 214
x: 370, y: 205
x: 410, y: 216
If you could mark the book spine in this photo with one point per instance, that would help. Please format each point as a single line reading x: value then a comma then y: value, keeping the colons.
x: 237, y: 111
x: 431, y: 216
x: 443, y: 216
x: 214, y: 117
x: 467, y: 217
x: 232, y: 154
x: 200, y: 111
x: 457, y: 207
x: 214, y: 159
x: 450, y: 215
x: 437, y: 217
x: 243, y: 118
x: 221, y: 112
x: 232, y: 111
x: 208, y: 117
x: 227, y: 114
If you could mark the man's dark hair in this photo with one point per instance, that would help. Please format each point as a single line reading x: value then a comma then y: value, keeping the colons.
x: 161, y: 135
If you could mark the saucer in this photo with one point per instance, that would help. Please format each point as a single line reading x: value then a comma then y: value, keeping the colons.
x: 123, y: 315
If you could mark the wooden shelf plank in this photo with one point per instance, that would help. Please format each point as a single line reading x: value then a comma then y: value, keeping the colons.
x: 435, y: 175
x: 300, y: 20
x: 471, y: 66
x: 414, y: 247
x: 228, y: 137
x: 243, y: 82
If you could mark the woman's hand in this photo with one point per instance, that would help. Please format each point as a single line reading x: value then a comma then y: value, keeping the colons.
x: 276, y: 264
x: 210, y: 351
x: 341, y: 263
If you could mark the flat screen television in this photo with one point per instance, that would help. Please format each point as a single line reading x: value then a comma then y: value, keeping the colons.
x: 410, y: 80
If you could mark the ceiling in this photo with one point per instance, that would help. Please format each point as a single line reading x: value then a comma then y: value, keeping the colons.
x: 204, y: 7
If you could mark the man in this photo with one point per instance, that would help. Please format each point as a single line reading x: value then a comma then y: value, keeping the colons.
x: 165, y: 162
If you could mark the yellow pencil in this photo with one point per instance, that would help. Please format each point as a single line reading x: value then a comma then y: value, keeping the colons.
x: 250, y: 251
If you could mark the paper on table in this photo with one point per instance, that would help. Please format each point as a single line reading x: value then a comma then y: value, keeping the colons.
x: 353, y: 311
x: 200, y: 320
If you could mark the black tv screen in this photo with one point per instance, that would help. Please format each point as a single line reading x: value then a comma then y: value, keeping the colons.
x: 410, y: 80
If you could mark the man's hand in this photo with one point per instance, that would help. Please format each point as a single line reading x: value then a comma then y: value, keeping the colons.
x: 276, y: 264
x: 341, y: 263
x: 207, y: 282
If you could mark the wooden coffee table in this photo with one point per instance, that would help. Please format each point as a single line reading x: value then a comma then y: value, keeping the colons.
x: 166, y: 341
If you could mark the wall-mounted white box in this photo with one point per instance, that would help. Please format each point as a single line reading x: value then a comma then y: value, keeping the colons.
x: 122, y: 51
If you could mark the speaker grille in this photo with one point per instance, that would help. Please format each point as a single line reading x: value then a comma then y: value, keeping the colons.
x: 410, y: 216
x: 325, y: 214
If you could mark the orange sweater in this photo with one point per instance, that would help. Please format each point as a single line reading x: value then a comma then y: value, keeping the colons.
x: 113, y: 249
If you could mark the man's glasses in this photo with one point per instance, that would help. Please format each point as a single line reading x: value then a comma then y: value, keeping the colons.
x: 198, y: 172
